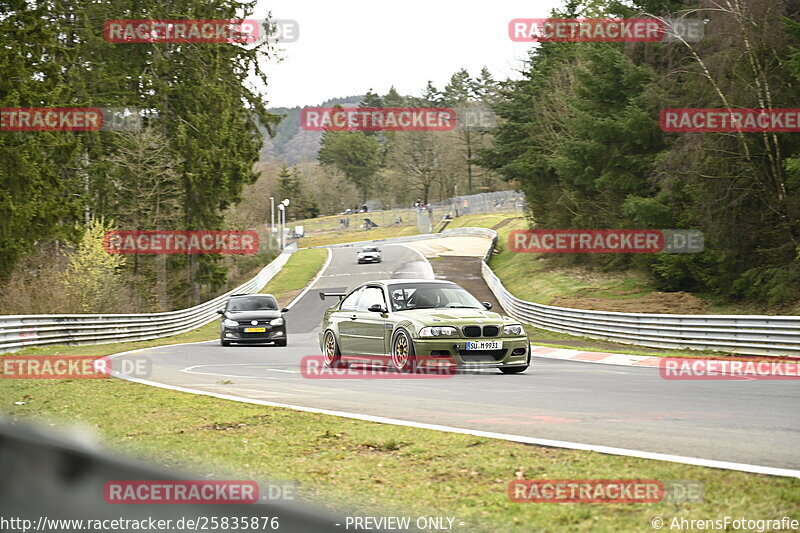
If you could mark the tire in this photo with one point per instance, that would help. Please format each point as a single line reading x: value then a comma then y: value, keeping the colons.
x: 224, y: 342
x: 281, y: 343
x: 404, y: 358
x: 330, y: 351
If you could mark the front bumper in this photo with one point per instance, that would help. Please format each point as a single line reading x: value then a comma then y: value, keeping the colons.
x: 237, y: 334
x: 369, y: 260
x: 448, y: 351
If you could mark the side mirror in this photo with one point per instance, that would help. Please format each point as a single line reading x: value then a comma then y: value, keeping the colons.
x: 285, y: 310
x: 376, y: 308
x: 487, y: 305
x: 220, y: 311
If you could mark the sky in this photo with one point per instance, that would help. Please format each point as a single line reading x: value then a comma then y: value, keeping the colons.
x: 346, y: 47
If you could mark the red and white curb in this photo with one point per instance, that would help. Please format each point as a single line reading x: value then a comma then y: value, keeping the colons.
x: 707, y: 364
x: 595, y: 357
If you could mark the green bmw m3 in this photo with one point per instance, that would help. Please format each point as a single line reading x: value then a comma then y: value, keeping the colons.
x: 411, y: 324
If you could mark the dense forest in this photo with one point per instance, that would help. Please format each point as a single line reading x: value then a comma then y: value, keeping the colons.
x: 189, y: 160
x: 580, y: 134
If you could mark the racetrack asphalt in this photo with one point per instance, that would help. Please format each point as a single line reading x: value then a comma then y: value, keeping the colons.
x: 743, y: 421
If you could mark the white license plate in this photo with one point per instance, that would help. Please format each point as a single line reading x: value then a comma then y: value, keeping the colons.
x: 484, y: 345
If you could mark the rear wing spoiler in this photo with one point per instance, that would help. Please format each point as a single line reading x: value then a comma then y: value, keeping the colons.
x: 340, y: 295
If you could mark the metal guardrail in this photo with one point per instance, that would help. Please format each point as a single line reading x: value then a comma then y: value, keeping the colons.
x: 742, y: 334
x: 19, y: 331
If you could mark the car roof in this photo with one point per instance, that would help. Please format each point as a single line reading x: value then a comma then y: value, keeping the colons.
x: 255, y: 294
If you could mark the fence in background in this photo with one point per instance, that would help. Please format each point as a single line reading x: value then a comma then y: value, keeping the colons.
x: 490, y: 202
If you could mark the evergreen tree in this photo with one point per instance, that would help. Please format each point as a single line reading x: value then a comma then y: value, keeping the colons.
x: 393, y: 98
x: 355, y: 155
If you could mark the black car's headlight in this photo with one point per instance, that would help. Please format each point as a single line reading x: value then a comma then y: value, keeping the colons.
x: 514, y: 329
x: 276, y: 322
x: 437, y: 331
x: 228, y: 323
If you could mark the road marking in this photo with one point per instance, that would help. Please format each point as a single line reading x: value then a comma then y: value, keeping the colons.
x: 696, y: 461
x: 191, y: 370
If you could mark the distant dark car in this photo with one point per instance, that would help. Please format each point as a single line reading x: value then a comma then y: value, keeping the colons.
x: 369, y: 254
x: 252, y: 318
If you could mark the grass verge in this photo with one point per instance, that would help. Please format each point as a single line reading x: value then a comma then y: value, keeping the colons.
x: 370, y: 468
x: 341, y: 237
x: 303, y: 265
x: 361, y: 466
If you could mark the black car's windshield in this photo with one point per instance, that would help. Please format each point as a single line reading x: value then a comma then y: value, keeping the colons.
x: 431, y: 296
x: 256, y: 303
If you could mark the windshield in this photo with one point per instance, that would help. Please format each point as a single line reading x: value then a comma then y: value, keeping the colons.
x: 431, y: 296
x: 263, y: 303
x: 369, y: 249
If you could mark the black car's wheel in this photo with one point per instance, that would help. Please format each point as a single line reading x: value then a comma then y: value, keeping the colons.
x: 331, y: 353
x: 223, y: 342
x: 281, y: 343
x: 404, y: 357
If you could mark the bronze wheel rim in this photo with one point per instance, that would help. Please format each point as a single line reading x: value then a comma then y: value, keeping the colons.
x: 330, y: 348
x: 400, y: 352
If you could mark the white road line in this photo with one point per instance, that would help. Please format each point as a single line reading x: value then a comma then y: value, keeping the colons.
x: 313, y: 280
x: 191, y: 370
x: 696, y: 461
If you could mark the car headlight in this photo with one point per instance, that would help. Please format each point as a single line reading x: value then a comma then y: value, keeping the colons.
x: 276, y: 322
x: 437, y: 331
x: 228, y: 323
x: 513, y: 329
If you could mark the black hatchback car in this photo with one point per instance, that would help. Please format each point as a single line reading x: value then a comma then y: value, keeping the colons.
x: 252, y: 318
